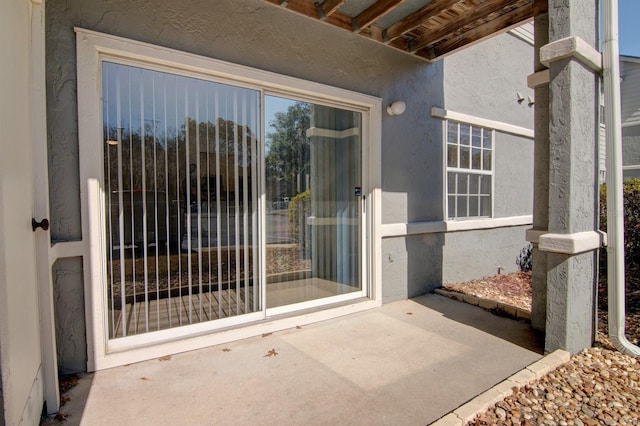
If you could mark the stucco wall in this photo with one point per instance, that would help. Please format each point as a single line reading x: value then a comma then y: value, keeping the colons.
x: 20, y: 351
x: 513, y: 175
x: 495, y: 72
x: 631, y: 150
x: 485, y: 79
x: 69, y: 315
x: 475, y: 254
x: 412, y: 265
x: 252, y: 33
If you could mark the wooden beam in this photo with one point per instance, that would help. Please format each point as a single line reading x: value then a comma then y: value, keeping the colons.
x: 374, y: 12
x: 415, y: 19
x: 540, y: 7
x: 469, y: 17
x: 494, y: 26
x: 329, y: 7
x: 308, y: 9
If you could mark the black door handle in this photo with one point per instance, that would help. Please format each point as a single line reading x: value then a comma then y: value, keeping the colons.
x: 44, y: 224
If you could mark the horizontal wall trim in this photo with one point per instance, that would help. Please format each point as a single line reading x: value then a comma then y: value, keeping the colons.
x: 571, y: 47
x: 446, y: 114
x: 576, y: 243
x: 441, y: 226
x: 66, y: 249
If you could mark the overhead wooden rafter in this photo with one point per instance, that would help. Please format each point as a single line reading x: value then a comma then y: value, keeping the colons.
x: 434, y: 29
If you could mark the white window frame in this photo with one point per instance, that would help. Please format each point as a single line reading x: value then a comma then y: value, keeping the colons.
x: 92, y: 49
x: 465, y: 170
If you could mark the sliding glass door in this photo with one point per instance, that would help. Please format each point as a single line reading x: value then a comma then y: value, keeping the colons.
x: 180, y: 179
x: 183, y: 166
x: 313, y: 211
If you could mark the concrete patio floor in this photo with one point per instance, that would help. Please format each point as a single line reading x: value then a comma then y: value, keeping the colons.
x: 406, y: 363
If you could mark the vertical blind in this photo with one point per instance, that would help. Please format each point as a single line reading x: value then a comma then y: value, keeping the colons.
x: 181, y: 185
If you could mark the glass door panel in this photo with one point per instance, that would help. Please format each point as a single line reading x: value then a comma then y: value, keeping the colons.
x: 313, y: 211
x: 181, y: 187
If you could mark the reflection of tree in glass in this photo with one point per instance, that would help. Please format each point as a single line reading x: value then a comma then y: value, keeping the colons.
x: 288, y: 149
x: 164, y: 153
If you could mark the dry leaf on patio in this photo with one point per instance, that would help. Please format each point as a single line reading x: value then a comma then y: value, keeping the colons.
x: 165, y: 358
x: 226, y: 350
x: 266, y: 334
x: 144, y: 378
x: 60, y: 416
x: 64, y: 400
x: 272, y: 352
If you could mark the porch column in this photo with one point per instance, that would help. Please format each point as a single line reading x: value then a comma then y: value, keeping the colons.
x: 572, y: 237
x: 539, y: 81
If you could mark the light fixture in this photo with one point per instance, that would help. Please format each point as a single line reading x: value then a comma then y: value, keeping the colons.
x: 396, y: 108
x: 520, y: 97
x: 531, y: 101
x: 112, y: 142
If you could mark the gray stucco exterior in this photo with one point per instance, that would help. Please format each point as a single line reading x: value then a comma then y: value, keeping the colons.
x: 631, y: 150
x: 251, y: 33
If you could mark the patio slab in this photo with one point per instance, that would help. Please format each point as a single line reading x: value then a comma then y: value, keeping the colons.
x: 406, y: 363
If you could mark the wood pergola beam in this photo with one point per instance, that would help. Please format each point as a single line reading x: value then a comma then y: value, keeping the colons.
x: 419, y: 33
x: 471, y: 16
x: 500, y: 24
x: 417, y: 18
x: 373, y: 13
x: 329, y: 7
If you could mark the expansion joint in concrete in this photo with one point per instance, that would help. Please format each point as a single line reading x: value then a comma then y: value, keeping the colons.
x: 574, y: 48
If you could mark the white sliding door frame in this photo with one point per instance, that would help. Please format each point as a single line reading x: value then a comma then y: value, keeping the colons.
x: 92, y: 49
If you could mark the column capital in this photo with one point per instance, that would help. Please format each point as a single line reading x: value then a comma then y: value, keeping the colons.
x: 571, y: 47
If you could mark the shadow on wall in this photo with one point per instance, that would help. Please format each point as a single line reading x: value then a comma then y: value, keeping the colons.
x: 71, y: 338
x: 411, y: 265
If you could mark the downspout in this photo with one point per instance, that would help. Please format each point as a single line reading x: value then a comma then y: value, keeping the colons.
x: 615, y: 219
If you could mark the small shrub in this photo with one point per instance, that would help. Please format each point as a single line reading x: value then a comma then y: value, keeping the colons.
x: 524, y: 259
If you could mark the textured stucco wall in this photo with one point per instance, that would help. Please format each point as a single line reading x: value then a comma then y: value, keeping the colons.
x: 475, y: 254
x: 572, y: 178
x: 20, y: 349
x: 69, y: 308
x: 513, y: 175
x: 484, y: 80
x: 252, y: 33
x: 631, y: 150
x: 411, y: 265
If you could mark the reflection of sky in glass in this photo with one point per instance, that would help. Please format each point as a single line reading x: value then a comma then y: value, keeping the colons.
x: 138, y: 100
x: 273, y: 105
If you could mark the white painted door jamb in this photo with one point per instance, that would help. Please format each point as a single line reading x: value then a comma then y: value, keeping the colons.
x: 41, y: 207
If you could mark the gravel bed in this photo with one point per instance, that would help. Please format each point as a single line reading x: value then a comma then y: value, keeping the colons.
x: 599, y: 386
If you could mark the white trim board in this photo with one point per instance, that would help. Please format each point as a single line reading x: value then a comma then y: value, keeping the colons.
x: 434, y: 227
x: 446, y: 114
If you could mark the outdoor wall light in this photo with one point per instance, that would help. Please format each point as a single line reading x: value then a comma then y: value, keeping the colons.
x: 396, y: 108
x: 531, y: 101
x: 112, y: 142
x: 520, y: 97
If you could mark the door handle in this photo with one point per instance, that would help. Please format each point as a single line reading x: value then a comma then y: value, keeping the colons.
x: 44, y: 224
